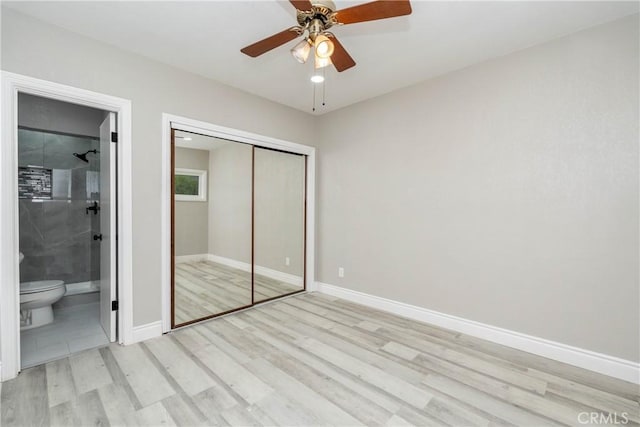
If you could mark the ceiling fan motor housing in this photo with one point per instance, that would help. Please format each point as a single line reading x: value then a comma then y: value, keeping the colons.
x: 329, y: 4
x: 320, y: 18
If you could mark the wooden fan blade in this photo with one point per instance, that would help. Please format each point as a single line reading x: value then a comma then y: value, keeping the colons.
x: 340, y: 58
x: 303, y: 5
x: 380, y: 9
x: 269, y: 43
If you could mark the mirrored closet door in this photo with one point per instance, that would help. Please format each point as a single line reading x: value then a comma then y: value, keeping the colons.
x: 238, y: 226
x: 212, y: 187
x: 278, y: 207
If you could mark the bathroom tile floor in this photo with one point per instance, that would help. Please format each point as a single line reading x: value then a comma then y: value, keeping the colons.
x: 73, y: 329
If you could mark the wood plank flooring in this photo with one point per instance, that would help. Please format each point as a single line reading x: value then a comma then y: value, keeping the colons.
x: 312, y: 360
x: 204, y: 288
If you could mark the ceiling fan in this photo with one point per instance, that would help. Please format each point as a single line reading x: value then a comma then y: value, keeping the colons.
x: 315, y: 17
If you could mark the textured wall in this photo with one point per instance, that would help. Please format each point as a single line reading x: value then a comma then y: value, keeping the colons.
x: 505, y: 193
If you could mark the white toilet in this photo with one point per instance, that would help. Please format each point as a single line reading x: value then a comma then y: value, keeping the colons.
x: 36, y: 299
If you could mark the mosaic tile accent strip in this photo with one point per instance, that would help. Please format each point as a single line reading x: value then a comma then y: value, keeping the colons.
x: 34, y: 183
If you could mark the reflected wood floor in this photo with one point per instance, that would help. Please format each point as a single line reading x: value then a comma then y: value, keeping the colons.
x: 204, y: 288
x: 311, y: 360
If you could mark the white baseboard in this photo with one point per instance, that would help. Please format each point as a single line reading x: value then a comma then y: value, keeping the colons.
x: 279, y: 276
x: 148, y: 331
x: 587, y: 359
x: 191, y: 258
x: 244, y: 266
x: 263, y: 271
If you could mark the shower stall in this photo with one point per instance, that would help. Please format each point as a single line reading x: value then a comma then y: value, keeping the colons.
x: 58, y: 195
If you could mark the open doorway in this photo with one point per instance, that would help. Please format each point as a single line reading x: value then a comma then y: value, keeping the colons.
x: 13, y: 85
x: 67, y: 210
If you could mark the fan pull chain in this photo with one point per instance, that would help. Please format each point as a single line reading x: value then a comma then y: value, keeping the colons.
x: 324, y: 84
x: 314, y: 98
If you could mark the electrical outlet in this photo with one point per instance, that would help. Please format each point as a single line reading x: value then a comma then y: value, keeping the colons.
x: 287, y: 261
x: 340, y: 272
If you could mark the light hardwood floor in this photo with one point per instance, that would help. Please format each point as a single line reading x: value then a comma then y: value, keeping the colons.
x: 204, y: 288
x: 311, y: 360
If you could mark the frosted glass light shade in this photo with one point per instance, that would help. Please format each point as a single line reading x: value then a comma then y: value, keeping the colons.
x: 301, y: 51
x: 322, y: 62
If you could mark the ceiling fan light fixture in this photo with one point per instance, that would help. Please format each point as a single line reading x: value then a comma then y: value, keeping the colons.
x: 324, y: 46
x: 316, y: 17
x: 317, y: 78
x: 301, y: 51
x: 322, y: 62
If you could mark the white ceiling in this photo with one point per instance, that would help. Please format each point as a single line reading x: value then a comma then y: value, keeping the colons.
x: 205, y: 37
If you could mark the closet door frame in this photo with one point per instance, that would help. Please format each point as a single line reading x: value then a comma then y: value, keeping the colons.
x: 170, y: 122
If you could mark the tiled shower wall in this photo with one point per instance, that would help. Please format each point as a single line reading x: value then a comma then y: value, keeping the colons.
x: 56, y: 233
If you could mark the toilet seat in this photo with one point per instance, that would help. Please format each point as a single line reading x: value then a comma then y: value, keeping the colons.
x: 39, y: 286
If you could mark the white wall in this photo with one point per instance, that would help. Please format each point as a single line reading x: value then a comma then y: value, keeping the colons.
x: 505, y: 193
x: 279, y: 211
x: 40, y: 50
x: 230, y: 207
x: 278, y: 207
x: 191, y: 217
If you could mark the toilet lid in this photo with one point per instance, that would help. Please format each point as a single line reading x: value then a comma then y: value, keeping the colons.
x: 39, y: 286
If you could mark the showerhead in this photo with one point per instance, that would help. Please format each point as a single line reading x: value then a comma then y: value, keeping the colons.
x: 83, y: 156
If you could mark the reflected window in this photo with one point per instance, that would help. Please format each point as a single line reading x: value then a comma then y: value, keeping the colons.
x: 191, y: 185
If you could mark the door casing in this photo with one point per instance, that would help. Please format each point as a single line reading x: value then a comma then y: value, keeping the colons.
x: 12, y: 84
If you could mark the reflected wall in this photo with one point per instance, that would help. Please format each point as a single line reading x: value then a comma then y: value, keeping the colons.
x: 279, y: 187
x: 237, y: 226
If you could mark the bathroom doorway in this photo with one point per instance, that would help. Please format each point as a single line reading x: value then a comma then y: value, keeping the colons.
x: 13, y: 85
x: 67, y: 205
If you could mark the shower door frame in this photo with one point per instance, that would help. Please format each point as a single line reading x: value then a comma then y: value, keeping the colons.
x: 12, y: 84
x: 171, y: 122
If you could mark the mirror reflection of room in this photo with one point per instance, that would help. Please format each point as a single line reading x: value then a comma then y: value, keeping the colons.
x: 278, y: 223
x: 238, y: 218
x: 212, y: 226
